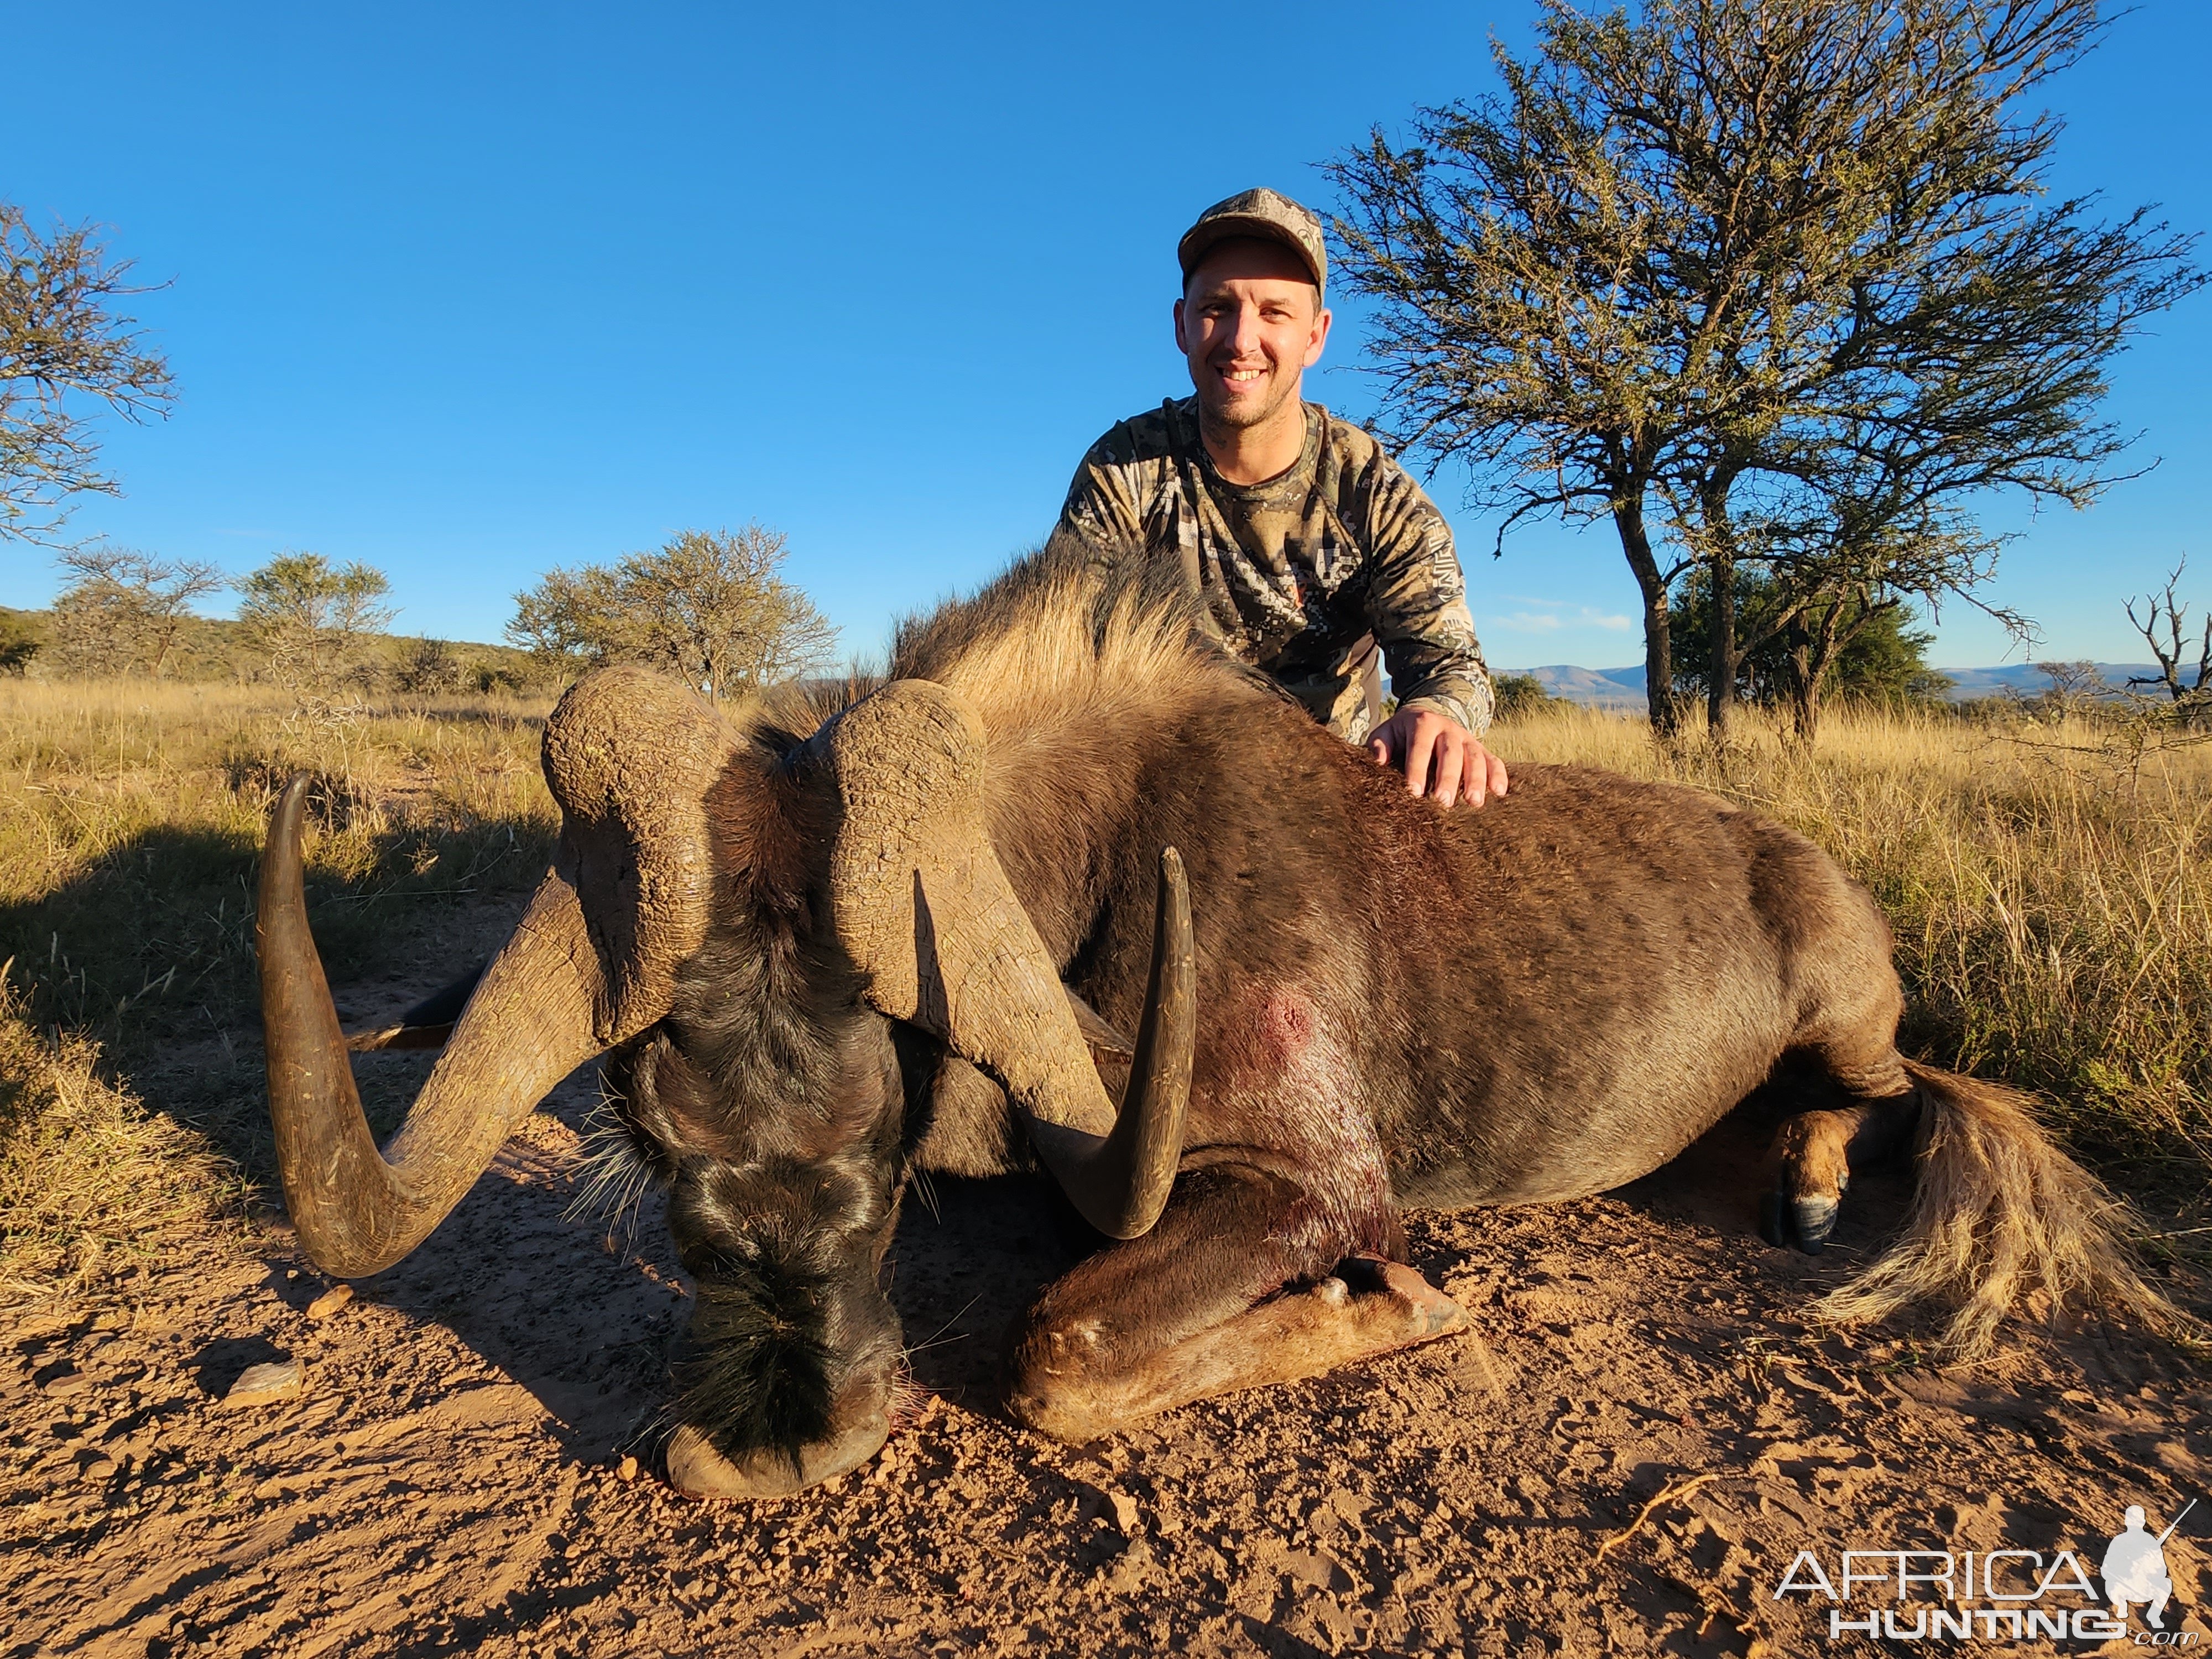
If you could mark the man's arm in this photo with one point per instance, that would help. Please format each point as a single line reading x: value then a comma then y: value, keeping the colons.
x: 1417, y: 606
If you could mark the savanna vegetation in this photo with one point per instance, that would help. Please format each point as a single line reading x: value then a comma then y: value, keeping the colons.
x: 130, y: 817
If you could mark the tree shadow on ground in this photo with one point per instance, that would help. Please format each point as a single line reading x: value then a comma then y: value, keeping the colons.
x: 150, y: 951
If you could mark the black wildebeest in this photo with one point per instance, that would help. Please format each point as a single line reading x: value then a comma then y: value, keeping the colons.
x: 901, y: 924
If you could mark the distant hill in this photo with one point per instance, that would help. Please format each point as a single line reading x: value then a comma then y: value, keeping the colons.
x: 1594, y: 688
x: 2026, y: 680
x: 1622, y: 689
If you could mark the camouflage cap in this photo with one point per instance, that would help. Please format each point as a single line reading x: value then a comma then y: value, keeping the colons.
x: 1262, y: 213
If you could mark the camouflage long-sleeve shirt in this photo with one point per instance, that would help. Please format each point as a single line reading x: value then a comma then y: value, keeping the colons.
x: 1307, y: 576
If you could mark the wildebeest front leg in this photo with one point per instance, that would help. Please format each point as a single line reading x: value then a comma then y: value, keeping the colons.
x: 1227, y: 1292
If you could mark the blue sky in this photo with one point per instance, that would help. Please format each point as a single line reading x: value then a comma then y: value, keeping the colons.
x: 470, y: 291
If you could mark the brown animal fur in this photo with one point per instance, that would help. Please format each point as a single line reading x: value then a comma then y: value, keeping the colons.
x: 1544, y: 999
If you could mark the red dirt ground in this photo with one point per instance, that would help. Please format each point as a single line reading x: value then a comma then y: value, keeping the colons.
x: 453, y: 1476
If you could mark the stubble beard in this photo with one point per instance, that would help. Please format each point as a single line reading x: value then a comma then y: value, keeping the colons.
x: 1249, y: 414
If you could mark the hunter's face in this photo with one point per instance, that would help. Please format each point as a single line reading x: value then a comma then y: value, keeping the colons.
x: 1249, y: 323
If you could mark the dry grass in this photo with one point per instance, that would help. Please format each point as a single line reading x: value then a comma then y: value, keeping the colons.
x: 131, y: 814
x: 2050, y: 888
x: 91, y: 1183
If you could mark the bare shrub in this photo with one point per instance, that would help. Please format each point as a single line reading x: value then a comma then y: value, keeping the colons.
x: 430, y: 666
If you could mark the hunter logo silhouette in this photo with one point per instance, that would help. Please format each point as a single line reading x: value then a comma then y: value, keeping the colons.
x: 2135, y: 1568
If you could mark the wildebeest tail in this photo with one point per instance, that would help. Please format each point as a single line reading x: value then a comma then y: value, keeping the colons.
x: 1999, y: 1216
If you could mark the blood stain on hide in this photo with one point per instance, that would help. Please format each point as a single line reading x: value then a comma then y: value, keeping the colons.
x: 1286, y: 1024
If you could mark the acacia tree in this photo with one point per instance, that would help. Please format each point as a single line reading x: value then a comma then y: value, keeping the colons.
x: 1720, y: 265
x: 708, y: 606
x: 65, y: 353
x: 308, y: 617
x: 122, y: 611
x: 1829, y: 561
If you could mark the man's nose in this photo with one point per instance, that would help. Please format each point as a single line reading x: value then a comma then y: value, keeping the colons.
x: 1247, y: 335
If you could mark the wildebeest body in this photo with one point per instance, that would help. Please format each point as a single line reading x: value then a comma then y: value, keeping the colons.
x: 826, y: 944
x: 1545, y: 997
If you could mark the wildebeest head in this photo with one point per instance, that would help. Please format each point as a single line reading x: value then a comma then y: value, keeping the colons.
x: 741, y: 921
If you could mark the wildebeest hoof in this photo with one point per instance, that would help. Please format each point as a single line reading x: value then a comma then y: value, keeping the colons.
x: 697, y: 1470
x: 1814, y: 1219
x: 1379, y: 1285
x: 1800, y: 1224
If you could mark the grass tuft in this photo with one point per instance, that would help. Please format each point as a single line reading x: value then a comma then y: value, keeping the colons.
x: 92, y: 1184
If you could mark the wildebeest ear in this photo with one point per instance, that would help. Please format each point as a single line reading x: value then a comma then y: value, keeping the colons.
x: 427, y: 1023
x: 920, y: 902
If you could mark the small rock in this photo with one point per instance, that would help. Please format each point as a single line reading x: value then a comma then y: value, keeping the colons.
x: 628, y: 1467
x: 330, y: 1302
x: 1126, y: 1513
x: 264, y: 1385
x: 1318, y: 1569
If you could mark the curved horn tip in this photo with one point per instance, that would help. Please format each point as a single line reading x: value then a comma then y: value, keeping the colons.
x: 357, y: 1213
x: 1148, y: 1138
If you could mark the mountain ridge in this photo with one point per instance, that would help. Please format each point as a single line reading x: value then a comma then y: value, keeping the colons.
x: 1623, y: 688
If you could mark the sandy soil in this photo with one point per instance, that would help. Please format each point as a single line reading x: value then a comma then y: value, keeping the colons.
x: 454, y: 1474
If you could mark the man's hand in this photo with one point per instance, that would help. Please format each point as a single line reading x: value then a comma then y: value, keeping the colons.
x: 1440, y: 757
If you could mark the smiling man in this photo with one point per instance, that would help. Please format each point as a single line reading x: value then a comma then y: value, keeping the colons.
x: 1312, y: 550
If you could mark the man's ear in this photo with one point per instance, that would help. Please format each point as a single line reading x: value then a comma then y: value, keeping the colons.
x: 1315, y: 342
x: 1181, y: 344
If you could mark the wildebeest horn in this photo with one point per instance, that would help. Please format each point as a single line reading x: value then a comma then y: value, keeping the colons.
x: 629, y: 756
x: 923, y: 906
x: 528, y: 1026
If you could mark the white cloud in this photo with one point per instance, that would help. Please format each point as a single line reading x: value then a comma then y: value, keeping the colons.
x: 1550, y: 621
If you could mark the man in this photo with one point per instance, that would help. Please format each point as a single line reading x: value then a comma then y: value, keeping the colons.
x: 1312, y: 550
